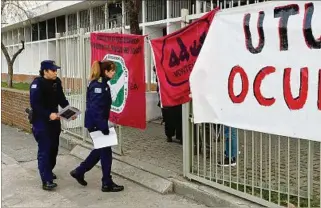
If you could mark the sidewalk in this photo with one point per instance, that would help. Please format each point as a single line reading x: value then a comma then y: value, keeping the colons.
x: 150, y: 146
x: 21, y: 185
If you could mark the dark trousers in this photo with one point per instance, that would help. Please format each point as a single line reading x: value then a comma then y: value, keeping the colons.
x: 48, y: 144
x: 172, y: 117
x: 105, y: 157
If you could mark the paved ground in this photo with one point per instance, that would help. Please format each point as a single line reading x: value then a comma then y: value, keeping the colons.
x: 277, y: 164
x: 21, y: 185
x: 151, y: 146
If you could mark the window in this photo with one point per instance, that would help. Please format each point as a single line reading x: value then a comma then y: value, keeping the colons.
x: 42, y: 30
x: 51, y: 24
x: 61, y: 24
x: 34, y: 28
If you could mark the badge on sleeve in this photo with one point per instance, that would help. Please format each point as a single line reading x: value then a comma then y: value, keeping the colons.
x: 97, y: 90
x: 33, y: 86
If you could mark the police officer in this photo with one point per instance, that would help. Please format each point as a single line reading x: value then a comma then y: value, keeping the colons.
x: 46, y: 94
x: 99, y: 102
x: 172, y: 117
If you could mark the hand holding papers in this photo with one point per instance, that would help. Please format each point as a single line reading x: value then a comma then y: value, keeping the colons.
x: 69, y: 113
x: 100, y: 140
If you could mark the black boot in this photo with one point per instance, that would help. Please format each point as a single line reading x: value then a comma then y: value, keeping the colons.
x: 80, y: 179
x: 112, y: 188
x: 48, y: 186
x: 169, y: 139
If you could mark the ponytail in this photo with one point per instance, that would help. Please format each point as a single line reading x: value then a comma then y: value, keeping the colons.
x: 95, y: 71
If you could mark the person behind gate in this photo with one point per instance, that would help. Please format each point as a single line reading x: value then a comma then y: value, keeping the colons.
x: 99, y: 102
x: 46, y: 94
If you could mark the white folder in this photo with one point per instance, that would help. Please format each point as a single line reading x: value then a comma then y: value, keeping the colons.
x: 100, y: 140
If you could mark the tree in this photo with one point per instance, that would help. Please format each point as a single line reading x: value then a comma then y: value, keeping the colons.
x: 14, y: 11
x: 133, y: 8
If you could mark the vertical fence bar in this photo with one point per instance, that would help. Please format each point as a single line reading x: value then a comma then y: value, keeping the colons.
x: 279, y: 169
x: 186, y: 138
x: 198, y: 148
x: 211, y: 148
x: 288, y: 176
x: 82, y: 68
x: 299, y: 170
x: 192, y: 141
x: 120, y: 140
x: 223, y: 155
x: 230, y: 155
x: 310, y: 172
x: 217, y: 134
x: 204, y: 149
x: 252, y: 134
x: 58, y: 55
x: 270, y: 170
x: 237, y: 159
x: 245, y: 160
x: 261, y: 164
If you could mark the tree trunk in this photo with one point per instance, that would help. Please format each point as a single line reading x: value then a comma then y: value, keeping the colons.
x: 133, y: 8
x: 10, y: 75
x: 10, y: 61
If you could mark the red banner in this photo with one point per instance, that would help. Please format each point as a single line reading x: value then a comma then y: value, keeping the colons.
x: 128, y: 85
x: 175, y: 56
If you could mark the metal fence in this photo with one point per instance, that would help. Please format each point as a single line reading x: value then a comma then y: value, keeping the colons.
x: 268, y: 169
x: 73, y: 53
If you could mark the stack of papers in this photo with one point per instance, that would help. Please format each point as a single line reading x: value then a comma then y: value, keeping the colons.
x: 100, y: 140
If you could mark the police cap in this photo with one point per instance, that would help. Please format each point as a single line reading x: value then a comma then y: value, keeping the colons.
x: 49, y: 64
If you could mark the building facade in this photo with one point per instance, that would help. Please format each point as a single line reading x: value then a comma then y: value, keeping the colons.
x: 157, y: 18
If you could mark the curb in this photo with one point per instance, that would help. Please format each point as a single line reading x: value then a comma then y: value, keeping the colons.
x: 131, y: 173
x: 209, y: 196
x: 158, y: 179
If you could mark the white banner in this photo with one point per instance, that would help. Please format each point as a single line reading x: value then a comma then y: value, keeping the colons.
x: 260, y: 69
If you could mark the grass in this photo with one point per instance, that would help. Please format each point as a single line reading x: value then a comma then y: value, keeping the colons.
x: 19, y: 86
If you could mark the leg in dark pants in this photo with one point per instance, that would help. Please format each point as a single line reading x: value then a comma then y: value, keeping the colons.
x: 103, y: 154
x: 44, y: 148
x: 92, y: 159
x: 54, y: 132
x: 169, y: 123
x: 106, y: 159
x: 178, y: 122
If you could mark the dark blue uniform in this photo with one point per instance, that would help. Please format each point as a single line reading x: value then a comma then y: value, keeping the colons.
x: 45, y: 96
x: 96, y: 118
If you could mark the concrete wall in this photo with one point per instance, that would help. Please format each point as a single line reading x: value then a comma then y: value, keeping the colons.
x: 152, y: 110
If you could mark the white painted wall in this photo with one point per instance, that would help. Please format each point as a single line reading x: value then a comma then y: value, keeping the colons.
x: 28, y: 62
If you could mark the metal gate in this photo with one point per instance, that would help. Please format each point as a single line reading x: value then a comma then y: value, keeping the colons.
x: 269, y: 169
x: 73, y: 53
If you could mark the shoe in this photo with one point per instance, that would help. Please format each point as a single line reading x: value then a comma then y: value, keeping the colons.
x: 169, y: 139
x: 80, y: 179
x: 112, y: 188
x: 54, y: 176
x: 228, y: 162
x: 48, y: 186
